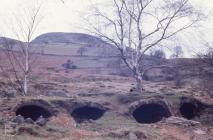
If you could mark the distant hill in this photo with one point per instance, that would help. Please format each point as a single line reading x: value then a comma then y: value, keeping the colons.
x: 60, y: 43
x: 68, y: 38
x: 85, y: 51
x: 8, y: 40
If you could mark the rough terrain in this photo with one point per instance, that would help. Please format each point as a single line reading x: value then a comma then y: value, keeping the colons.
x: 184, y: 106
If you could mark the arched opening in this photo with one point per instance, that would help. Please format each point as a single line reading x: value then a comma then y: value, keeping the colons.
x: 188, y: 110
x: 87, y: 113
x: 150, y: 113
x: 33, y: 112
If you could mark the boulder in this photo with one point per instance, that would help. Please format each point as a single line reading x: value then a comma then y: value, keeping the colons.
x: 1, y: 121
x: 12, y: 125
x: 18, y: 119
x: 29, y: 120
x: 181, y: 121
x: 132, y: 136
x: 41, y: 121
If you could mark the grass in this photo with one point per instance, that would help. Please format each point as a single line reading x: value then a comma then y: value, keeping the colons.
x: 113, y: 91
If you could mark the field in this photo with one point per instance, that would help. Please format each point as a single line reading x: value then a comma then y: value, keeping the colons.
x: 97, y: 100
x: 63, y: 90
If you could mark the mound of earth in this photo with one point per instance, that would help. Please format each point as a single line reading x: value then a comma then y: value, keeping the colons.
x: 4, y: 40
x: 72, y: 38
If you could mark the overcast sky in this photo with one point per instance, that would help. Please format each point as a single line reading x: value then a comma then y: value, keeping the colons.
x: 59, y: 17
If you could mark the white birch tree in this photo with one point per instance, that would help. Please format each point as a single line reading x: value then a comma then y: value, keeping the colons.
x: 140, y: 25
x: 19, y: 55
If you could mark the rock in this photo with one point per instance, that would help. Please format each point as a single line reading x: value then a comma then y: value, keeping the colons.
x: 18, y: 119
x: 181, y: 121
x: 29, y: 120
x: 199, y: 132
x: 133, y: 89
x: 11, y: 93
x: 10, y: 128
x: 27, y: 130
x: 127, y: 134
x: 12, y: 124
x: 120, y: 134
x: 41, y: 121
x: 1, y: 121
x: 90, y: 121
x: 132, y: 136
x: 140, y: 135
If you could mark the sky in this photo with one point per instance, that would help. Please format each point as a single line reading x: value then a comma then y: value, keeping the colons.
x: 67, y: 17
x: 57, y: 17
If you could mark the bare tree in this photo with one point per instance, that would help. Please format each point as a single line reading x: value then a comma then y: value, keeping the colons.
x: 158, y: 56
x: 140, y: 25
x: 20, y: 54
x: 206, y: 56
x: 177, y: 52
x: 82, y: 50
x: 205, y: 61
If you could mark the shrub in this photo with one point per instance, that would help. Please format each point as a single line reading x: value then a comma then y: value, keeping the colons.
x: 158, y: 56
x: 74, y: 67
x: 69, y: 65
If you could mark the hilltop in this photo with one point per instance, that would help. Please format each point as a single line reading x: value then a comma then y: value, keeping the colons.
x: 67, y: 38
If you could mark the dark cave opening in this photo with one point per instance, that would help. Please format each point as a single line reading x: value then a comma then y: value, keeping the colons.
x: 150, y: 113
x: 188, y: 110
x: 87, y: 113
x: 33, y: 112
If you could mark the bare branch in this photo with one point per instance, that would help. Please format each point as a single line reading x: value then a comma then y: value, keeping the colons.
x: 129, y: 24
x: 19, y: 53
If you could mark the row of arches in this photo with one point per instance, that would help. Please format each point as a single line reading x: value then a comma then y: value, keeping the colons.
x: 145, y: 113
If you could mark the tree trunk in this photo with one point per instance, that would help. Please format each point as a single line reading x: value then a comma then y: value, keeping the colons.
x: 139, y: 84
x: 26, y: 69
x: 25, y: 85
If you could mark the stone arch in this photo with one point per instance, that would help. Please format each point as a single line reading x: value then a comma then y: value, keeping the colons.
x: 87, y: 111
x: 190, y: 108
x: 150, y: 111
x: 34, y: 109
